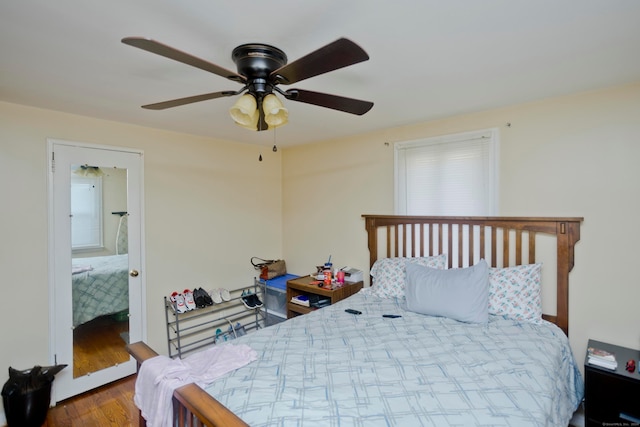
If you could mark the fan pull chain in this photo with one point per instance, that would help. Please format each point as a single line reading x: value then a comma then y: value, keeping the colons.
x: 275, y: 148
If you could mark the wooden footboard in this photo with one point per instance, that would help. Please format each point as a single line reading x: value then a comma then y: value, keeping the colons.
x: 192, y: 406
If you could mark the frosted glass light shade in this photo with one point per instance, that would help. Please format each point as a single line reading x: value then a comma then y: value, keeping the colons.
x: 274, y: 112
x: 245, y: 112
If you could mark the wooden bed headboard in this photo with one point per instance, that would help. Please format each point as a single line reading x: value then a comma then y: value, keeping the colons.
x: 501, y: 241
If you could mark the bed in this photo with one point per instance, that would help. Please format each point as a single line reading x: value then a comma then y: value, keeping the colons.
x: 100, y: 286
x: 333, y: 368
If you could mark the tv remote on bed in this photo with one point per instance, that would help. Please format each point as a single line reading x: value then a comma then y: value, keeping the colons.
x: 391, y: 316
x: 352, y: 311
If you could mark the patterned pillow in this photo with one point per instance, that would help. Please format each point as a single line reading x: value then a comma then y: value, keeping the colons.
x: 514, y: 292
x: 389, y: 275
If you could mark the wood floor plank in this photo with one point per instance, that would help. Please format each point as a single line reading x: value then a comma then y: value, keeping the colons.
x: 108, y: 406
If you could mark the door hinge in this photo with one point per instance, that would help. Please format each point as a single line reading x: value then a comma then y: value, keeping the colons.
x: 53, y: 162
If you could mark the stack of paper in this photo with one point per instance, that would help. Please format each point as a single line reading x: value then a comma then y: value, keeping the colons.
x: 602, y: 358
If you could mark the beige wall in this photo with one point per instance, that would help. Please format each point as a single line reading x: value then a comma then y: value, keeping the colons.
x: 206, y: 216
x: 570, y: 156
x: 204, y: 212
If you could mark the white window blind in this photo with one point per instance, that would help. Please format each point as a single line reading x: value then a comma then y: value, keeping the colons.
x: 86, y: 212
x: 449, y: 175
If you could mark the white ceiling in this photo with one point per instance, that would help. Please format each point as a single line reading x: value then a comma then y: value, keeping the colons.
x: 429, y: 58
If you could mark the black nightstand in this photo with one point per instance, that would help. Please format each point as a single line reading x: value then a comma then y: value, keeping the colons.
x: 612, y: 397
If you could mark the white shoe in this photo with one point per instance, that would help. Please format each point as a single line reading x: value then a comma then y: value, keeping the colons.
x: 188, y: 299
x: 178, y: 302
x: 215, y: 296
x: 225, y: 294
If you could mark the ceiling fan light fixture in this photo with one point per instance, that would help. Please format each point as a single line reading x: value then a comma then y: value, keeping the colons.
x: 275, y: 114
x: 88, y: 171
x: 245, y: 112
x: 260, y: 69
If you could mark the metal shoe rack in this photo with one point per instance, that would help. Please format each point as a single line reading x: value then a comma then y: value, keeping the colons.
x: 195, y: 329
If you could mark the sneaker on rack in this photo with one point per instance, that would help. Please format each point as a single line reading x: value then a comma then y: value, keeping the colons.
x: 247, y: 300
x: 224, y: 294
x: 206, y: 296
x: 188, y: 299
x: 256, y: 301
x: 215, y: 296
x: 240, y: 330
x: 172, y: 298
x: 232, y: 332
x: 199, y: 299
x: 178, y: 302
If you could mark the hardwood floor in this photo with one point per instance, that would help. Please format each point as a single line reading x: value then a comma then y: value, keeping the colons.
x: 110, y: 405
x: 98, y: 344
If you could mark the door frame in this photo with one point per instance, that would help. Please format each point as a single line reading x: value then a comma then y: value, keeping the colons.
x: 125, y: 368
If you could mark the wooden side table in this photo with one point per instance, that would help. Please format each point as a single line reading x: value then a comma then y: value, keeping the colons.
x: 303, y: 286
x: 612, y: 397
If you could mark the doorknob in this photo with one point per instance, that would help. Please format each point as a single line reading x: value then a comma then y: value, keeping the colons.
x: 134, y: 273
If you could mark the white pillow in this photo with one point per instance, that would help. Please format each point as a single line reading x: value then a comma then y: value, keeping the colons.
x: 459, y: 293
x: 514, y: 292
x: 389, y: 275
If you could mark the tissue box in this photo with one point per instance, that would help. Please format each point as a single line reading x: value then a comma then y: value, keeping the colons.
x: 353, y: 275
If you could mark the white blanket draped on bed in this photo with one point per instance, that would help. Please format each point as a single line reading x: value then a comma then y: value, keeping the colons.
x: 331, y: 368
x: 160, y: 376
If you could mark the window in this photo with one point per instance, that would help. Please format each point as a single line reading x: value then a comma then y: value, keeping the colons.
x: 448, y: 175
x: 86, y: 212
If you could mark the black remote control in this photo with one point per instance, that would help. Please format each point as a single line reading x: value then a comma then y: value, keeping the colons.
x: 352, y: 311
x: 391, y: 316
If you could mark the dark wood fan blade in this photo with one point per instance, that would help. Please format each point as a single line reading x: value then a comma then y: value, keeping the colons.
x: 341, y: 53
x: 168, y: 52
x: 348, y: 105
x: 188, y: 100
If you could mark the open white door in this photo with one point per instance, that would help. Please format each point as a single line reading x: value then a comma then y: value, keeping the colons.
x: 96, y: 258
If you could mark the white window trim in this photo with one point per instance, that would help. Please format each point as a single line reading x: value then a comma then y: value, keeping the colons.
x: 493, y: 133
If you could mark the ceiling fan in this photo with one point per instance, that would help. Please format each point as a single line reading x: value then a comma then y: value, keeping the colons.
x: 261, y: 68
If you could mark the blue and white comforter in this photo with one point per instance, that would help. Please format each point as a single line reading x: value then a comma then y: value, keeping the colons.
x: 102, y: 289
x: 331, y: 368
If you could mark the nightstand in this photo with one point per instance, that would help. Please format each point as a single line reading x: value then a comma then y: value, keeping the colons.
x: 303, y: 286
x: 612, y: 397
